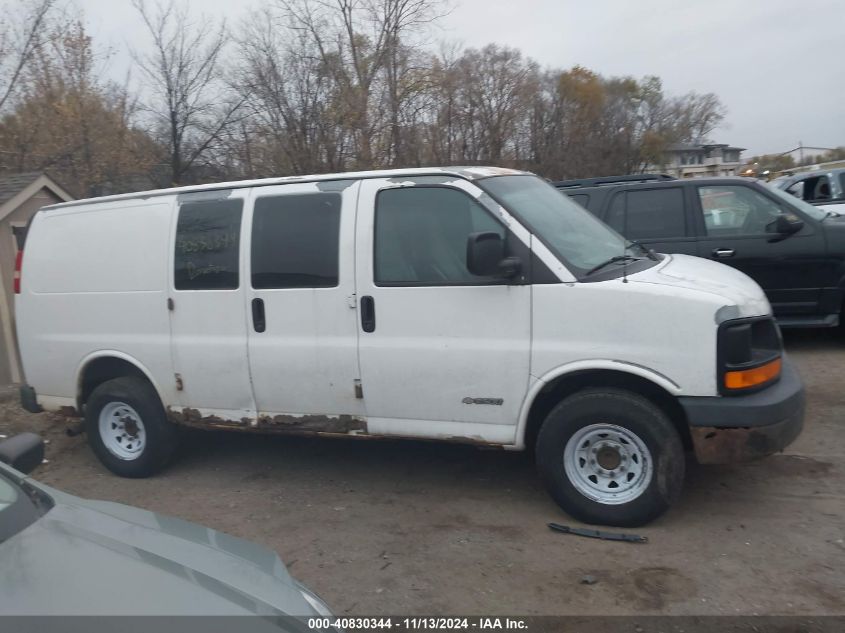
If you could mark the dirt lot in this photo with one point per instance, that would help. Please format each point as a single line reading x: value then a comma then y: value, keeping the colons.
x: 425, y: 528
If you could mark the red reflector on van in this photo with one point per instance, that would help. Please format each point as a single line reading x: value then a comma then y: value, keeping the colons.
x: 18, y: 262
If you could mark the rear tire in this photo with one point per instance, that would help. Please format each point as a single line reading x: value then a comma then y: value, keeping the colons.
x: 128, y: 429
x: 610, y: 457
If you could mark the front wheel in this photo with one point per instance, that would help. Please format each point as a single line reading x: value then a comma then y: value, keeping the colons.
x: 127, y: 427
x: 611, y: 457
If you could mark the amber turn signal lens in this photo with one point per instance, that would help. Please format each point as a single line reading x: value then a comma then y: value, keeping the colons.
x: 753, y: 377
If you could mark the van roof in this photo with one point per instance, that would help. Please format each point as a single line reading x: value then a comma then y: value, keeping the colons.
x: 466, y: 172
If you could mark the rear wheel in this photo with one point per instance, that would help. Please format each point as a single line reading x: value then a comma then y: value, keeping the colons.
x: 127, y: 427
x: 611, y: 457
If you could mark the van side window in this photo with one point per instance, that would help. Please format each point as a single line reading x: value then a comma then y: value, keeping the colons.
x: 207, y: 245
x: 421, y: 236
x: 295, y: 241
x: 650, y: 213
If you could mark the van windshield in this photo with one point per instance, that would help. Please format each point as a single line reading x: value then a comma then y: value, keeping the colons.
x: 572, y: 233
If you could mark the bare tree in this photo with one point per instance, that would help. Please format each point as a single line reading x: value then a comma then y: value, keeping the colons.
x: 297, y: 120
x: 19, y: 41
x: 443, y: 126
x: 189, y: 101
x: 697, y: 115
x: 356, y: 40
x: 318, y: 85
x: 497, y: 84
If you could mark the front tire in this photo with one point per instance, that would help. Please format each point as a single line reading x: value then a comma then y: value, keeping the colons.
x: 610, y: 457
x: 128, y: 429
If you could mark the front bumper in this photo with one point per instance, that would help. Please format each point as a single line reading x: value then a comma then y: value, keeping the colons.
x: 729, y: 429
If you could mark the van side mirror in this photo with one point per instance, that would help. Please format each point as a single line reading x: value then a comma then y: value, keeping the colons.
x: 486, y: 256
x: 785, y: 225
x: 484, y: 252
x: 22, y: 452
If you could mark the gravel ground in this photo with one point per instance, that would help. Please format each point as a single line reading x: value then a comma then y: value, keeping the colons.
x: 399, y: 527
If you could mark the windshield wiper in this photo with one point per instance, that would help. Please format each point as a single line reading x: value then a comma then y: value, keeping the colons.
x: 645, y: 249
x: 612, y: 260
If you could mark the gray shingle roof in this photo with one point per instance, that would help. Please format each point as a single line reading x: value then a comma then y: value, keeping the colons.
x: 12, y: 184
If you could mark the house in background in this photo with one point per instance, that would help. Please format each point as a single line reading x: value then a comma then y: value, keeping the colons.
x: 21, y: 195
x: 698, y: 160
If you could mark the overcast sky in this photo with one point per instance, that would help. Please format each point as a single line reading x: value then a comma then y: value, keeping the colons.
x: 777, y: 65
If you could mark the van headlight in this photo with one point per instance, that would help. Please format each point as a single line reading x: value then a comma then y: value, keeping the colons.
x: 749, y: 355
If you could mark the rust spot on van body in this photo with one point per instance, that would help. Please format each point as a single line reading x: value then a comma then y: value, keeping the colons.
x: 334, y: 424
x: 349, y: 426
x: 193, y: 417
x: 315, y: 423
x: 715, y: 445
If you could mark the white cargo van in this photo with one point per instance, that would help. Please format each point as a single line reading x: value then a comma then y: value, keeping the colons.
x: 462, y: 304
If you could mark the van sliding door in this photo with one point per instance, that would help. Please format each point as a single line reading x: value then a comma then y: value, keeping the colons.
x: 303, y: 345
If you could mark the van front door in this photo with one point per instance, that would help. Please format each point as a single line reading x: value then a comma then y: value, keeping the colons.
x: 443, y: 353
x: 303, y: 347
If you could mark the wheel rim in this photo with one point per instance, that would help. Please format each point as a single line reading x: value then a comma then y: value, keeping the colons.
x: 608, y: 463
x: 122, y: 430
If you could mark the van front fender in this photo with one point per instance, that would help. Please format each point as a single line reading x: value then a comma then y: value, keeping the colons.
x: 580, y: 367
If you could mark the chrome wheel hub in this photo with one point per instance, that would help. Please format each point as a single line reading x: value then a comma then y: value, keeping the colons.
x: 122, y: 431
x: 608, y: 463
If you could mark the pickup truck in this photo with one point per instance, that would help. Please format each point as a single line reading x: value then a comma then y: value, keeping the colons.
x: 824, y: 189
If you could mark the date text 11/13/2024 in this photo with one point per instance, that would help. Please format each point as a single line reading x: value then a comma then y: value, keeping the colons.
x: 418, y: 623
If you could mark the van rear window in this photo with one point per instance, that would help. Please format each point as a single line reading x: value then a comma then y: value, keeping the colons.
x: 207, y: 245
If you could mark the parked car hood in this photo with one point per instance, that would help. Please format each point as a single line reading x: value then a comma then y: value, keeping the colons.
x: 703, y: 275
x: 99, y: 558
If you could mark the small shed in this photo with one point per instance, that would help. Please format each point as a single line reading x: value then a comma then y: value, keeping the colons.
x: 21, y: 195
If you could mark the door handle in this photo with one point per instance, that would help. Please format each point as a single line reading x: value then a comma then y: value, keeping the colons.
x: 723, y: 252
x: 368, y: 314
x: 258, y: 320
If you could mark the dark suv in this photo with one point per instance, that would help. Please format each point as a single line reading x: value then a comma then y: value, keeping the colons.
x: 795, y: 251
